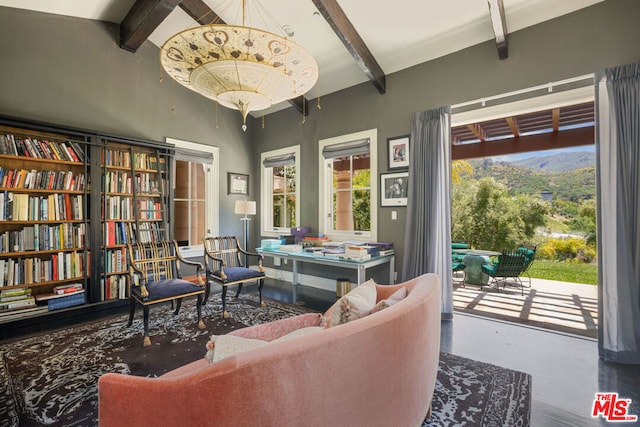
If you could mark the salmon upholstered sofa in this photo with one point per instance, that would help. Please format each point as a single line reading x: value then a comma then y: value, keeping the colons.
x: 378, y: 370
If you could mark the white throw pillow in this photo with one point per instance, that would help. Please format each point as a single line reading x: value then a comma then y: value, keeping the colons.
x: 299, y: 333
x: 221, y: 346
x: 354, y: 305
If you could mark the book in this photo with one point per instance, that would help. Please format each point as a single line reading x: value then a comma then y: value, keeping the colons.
x: 23, y: 303
x: 66, y: 301
x: 64, y: 289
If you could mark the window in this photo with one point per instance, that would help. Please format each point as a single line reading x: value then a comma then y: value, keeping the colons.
x: 348, y: 187
x: 280, y: 186
x: 195, y: 184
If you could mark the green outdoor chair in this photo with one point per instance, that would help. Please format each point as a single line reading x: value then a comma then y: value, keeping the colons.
x: 529, y: 252
x: 510, y: 265
x: 459, y: 266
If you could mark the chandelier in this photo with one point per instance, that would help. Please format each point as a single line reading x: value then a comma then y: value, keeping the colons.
x: 240, y: 67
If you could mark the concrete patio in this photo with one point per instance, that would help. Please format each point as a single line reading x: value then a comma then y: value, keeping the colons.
x: 560, y: 306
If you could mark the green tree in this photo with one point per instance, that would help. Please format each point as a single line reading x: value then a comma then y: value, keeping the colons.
x: 486, y: 216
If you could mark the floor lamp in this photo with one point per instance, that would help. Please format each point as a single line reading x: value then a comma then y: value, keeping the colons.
x: 245, y: 207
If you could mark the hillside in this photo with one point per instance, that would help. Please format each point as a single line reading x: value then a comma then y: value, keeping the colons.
x: 575, y: 185
x: 563, y: 162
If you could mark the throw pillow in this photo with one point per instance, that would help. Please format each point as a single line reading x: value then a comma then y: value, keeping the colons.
x: 221, y: 346
x: 397, y: 296
x: 354, y: 305
x: 299, y: 333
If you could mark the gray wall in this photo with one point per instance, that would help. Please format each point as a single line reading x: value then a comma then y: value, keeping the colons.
x: 72, y: 72
x: 603, y: 35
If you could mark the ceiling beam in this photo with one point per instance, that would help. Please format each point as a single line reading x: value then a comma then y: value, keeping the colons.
x: 499, y: 24
x: 143, y: 18
x: 525, y: 144
x: 337, y: 19
x: 200, y: 12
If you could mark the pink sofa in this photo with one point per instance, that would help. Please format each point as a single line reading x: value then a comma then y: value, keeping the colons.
x: 379, y: 370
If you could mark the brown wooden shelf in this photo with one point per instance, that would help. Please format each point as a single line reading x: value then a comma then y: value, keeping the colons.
x: 40, y: 160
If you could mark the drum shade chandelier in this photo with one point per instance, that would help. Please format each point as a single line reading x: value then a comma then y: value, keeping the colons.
x: 240, y: 67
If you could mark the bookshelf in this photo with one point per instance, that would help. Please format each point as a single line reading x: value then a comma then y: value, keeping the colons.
x: 48, y: 212
x: 134, y: 209
x: 44, y: 230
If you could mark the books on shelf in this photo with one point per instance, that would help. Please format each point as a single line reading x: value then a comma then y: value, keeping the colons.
x: 66, y: 300
x: 17, y: 298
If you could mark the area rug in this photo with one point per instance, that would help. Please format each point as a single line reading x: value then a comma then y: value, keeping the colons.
x: 51, y: 379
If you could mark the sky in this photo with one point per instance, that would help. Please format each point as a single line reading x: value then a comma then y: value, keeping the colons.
x: 520, y: 156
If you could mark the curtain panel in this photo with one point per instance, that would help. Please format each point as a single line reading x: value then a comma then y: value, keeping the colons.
x: 618, y: 212
x: 427, y: 247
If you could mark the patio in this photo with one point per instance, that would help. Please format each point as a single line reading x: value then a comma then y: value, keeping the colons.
x: 560, y: 306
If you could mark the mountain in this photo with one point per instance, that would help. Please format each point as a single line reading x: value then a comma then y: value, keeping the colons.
x: 575, y: 185
x: 563, y: 162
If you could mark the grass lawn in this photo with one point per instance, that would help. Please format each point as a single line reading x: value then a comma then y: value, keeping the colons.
x: 564, y: 271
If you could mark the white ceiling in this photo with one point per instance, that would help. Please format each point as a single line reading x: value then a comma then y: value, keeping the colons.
x: 399, y: 33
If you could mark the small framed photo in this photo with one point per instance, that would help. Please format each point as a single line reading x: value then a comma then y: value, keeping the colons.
x: 398, y: 152
x: 394, y: 188
x: 237, y: 183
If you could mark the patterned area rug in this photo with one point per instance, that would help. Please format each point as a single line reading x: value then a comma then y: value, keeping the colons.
x: 51, y: 379
x: 472, y: 393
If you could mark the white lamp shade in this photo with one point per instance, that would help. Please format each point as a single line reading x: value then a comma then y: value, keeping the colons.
x: 245, y: 207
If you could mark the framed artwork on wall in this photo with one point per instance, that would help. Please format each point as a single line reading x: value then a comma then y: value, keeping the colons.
x: 394, y: 188
x: 398, y: 152
x: 237, y: 183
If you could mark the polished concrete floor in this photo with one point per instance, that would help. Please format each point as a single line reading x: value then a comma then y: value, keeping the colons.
x: 565, y: 368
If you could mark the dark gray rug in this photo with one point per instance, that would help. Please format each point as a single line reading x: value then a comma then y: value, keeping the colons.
x: 51, y: 379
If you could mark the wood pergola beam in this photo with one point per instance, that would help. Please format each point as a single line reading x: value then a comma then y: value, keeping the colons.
x: 524, y: 144
x: 143, y: 18
x: 346, y: 32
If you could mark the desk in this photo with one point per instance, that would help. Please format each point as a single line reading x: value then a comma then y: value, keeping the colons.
x: 359, y: 266
x: 473, y: 260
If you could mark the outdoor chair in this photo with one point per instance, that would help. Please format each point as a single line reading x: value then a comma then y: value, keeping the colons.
x: 510, y: 265
x: 529, y: 252
x: 459, y: 266
x: 224, y: 266
x: 154, y: 277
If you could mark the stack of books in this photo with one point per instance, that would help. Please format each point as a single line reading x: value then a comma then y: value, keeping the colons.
x: 16, y: 299
x: 63, y: 296
x: 357, y: 253
x: 314, y: 239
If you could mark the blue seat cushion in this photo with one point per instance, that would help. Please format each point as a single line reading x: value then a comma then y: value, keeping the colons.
x: 490, y: 269
x: 458, y: 245
x: 458, y: 266
x: 238, y: 274
x: 169, y: 288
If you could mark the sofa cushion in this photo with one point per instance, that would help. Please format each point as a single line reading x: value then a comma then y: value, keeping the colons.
x: 354, y: 305
x: 168, y: 288
x: 236, y: 274
x: 397, y: 296
x: 221, y: 346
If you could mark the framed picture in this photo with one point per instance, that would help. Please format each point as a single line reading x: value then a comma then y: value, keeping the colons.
x: 394, y: 188
x: 237, y: 183
x: 398, y: 152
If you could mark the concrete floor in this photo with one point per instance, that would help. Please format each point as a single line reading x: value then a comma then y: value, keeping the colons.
x: 565, y: 368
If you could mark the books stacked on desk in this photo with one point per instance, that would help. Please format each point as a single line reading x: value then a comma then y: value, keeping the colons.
x: 383, y: 248
x: 314, y: 239
x: 272, y: 244
x: 63, y: 296
x: 356, y: 253
x: 16, y: 299
x: 290, y: 248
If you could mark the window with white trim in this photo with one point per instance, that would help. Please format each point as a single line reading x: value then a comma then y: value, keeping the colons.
x: 280, y: 209
x: 196, y: 195
x: 348, y: 187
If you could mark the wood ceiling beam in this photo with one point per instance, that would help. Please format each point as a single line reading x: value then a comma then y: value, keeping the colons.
x: 143, y: 18
x: 344, y: 29
x: 499, y: 24
x: 524, y: 144
x: 477, y: 131
x: 200, y: 12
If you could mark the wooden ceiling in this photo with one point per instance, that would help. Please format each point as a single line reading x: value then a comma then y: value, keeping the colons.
x: 561, y: 127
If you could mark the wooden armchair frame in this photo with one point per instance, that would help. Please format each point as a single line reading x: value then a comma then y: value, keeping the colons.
x: 155, y: 277
x: 223, y: 259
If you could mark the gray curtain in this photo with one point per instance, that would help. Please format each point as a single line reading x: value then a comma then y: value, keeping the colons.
x: 427, y: 243
x: 618, y: 185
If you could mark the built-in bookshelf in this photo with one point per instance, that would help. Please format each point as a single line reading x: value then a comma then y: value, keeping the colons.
x: 44, y: 231
x: 62, y: 244
x: 135, y: 200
